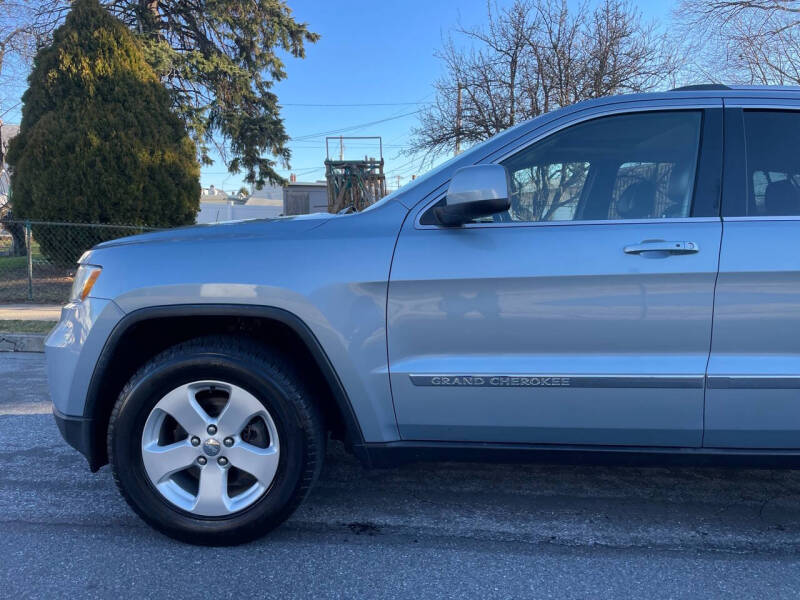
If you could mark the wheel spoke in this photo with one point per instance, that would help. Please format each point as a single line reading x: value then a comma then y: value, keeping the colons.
x: 212, y: 495
x: 182, y: 406
x: 261, y: 463
x: 213, y: 447
x: 162, y: 461
x: 240, y: 410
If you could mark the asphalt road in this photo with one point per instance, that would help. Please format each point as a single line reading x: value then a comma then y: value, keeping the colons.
x: 440, y: 530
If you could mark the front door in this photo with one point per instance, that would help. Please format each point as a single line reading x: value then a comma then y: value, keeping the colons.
x: 583, y: 314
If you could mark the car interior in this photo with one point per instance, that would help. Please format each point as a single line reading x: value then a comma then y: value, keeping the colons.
x: 638, y: 166
x: 773, y: 173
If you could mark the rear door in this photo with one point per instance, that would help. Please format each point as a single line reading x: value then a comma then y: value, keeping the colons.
x: 583, y: 314
x: 754, y: 368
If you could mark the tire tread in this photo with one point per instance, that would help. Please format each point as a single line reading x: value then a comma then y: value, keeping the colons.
x: 285, y: 374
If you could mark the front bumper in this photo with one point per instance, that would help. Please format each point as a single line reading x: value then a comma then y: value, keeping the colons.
x: 78, y: 432
x: 72, y: 349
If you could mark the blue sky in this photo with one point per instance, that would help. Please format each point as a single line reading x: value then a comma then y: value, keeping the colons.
x: 378, y: 55
x: 370, y: 53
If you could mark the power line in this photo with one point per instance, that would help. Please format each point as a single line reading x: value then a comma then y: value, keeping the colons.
x: 311, y: 136
x: 404, y: 166
x: 10, y: 109
x: 307, y: 170
x: 321, y: 146
x: 354, y: 105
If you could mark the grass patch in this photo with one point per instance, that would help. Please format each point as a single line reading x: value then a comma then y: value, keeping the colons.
x: 51, y: 283
x: 20, y: 326
x: 13, y: 263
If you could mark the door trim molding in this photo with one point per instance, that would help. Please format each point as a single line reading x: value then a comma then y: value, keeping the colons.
x: 501, y: 380
x: 754, y: 382
x: 511, y: 224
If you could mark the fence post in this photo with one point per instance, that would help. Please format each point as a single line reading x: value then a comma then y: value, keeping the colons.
x: 28, y: 244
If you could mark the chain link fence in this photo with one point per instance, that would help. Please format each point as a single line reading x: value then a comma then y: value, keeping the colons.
x: 38, y: 258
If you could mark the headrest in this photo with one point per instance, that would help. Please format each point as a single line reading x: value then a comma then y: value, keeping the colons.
x: 782, y: 198
x: 637, y: 201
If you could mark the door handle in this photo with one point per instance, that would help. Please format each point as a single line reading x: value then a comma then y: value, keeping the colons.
x: 662, y: 246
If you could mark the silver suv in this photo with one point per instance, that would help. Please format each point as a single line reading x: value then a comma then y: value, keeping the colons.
x: 620, y: 278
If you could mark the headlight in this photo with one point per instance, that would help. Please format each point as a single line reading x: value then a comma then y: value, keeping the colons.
x: 84, y: 281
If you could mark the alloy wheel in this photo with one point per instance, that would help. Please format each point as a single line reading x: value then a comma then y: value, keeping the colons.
x: 210, y: 448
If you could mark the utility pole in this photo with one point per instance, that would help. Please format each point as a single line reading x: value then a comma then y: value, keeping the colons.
x: 458, y: 121
x: 341, y: 148
x: 398, y: 181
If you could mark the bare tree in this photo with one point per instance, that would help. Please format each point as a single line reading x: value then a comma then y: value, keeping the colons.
x: 18, y: 35
x: 18, y: 40
x: 533, y: 57
x: 743, y: 41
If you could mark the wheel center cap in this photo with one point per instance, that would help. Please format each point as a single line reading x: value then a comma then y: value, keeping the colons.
x: 211, y: 447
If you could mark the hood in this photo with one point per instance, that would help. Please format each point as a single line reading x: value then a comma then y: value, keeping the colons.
x: 274, y: 227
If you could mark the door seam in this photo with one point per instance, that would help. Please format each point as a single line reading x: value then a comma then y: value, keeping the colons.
x: 711, y: 337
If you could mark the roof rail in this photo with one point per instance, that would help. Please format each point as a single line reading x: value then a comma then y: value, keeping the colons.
x: 701, y: 87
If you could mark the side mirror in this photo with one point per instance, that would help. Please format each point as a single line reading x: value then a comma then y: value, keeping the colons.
x: 474, y: 192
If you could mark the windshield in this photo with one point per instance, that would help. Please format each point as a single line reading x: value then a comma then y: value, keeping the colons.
x: 445, y: 165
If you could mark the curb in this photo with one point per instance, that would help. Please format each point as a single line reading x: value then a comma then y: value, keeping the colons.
x: 21, y: 342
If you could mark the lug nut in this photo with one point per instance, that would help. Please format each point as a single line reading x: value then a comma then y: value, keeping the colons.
x: 222, y: 461
x: 228, y: 441
x: 201, y: 460
x: 195, y: 441
x: 212, y: 429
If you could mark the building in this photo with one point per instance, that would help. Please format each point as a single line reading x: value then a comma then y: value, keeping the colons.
x: 301, y: 198
x: 215, y: 206
x: 7, y: 132
x: 266, y: 202
x: 297, y: 198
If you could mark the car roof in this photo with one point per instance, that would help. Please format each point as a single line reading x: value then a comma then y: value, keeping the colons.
x: 703, y: 91
x: 692, y: 92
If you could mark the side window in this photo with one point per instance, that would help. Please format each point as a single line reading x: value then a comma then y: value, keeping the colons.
x: 671, y: 189
x: 548, y: 192
x: 634, y: 166
x: 773, y: 171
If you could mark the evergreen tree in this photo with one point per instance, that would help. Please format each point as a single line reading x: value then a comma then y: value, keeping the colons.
x: 220, y: 60
x: 98, y: 142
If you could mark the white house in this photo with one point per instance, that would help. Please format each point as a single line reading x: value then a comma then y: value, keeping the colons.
x: 297, y: 198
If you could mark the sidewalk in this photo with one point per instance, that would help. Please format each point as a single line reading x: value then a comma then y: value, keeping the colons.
x: 29, y: 312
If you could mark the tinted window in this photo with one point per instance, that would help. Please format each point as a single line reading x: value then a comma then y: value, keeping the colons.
x: 773, y: 165
x: 635, y: 166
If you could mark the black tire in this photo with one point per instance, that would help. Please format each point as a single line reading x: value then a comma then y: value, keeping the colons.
x: 262, y: 372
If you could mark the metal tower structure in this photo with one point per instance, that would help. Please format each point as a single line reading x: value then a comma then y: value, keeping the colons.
x: 353, y: 184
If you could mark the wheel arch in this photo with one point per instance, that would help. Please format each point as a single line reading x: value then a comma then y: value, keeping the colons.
x: 120, y: 358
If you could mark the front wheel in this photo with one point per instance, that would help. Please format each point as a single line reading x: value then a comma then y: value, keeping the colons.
x: 215, y: 441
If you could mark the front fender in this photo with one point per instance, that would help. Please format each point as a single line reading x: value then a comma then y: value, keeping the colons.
x: 333, y: 278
